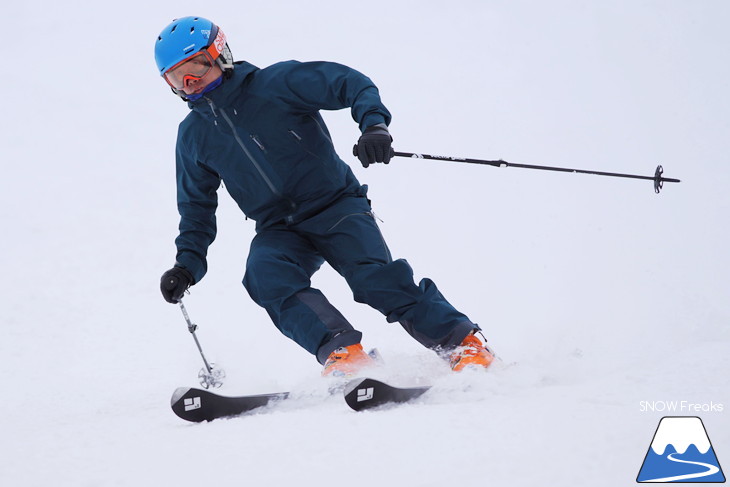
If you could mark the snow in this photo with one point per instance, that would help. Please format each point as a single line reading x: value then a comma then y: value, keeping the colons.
x: 597, y: 293
x: 689, y: 430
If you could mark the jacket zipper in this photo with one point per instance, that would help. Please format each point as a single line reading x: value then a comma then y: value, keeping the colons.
x: 321, y: 129
x: 299, y: 141
x: 253, y: 160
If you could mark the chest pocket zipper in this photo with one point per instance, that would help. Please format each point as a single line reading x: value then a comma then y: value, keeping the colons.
x: 256, y: 140
x: 303, y: 147
x: 296, y: 135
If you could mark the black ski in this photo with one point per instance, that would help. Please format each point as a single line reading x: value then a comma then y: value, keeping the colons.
x: 367, y: 393
x: 198, y: 405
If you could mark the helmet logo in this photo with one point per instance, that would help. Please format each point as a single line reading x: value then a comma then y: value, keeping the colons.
x: 220, y: 41
x: 205, y: 32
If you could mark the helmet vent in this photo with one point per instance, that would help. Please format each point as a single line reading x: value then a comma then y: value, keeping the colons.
x: 173, y: 28
x: 192, y: 29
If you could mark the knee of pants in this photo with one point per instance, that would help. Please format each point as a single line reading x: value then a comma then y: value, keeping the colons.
x: 385, y: 287
x: 269, y: 282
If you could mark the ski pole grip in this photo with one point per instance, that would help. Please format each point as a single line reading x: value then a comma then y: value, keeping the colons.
x: 354, y: 151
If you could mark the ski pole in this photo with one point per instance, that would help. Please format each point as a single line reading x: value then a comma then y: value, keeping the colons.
x: 210, y: 376
x: 658, y: 179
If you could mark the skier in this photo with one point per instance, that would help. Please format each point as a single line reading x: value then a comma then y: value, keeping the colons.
x: 260, y: 132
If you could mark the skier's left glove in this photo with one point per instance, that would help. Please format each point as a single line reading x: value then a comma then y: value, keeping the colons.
x: 174, y: 283
x: 374, y: 145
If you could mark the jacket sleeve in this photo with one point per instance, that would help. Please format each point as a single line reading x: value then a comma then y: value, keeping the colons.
x: 197, y: 200
x: 320, y: 85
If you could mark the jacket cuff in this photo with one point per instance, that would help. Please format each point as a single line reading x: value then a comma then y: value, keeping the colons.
x: 192, y: 264
x: 373, y: 119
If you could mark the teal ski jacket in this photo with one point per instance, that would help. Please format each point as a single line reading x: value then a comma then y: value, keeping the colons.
x: 261, y: 134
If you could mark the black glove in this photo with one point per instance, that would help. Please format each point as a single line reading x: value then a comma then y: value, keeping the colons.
x: 174, y: 283
x: 374, y: 146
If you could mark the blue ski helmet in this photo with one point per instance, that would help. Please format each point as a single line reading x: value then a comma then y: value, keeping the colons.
x: 187, y: 36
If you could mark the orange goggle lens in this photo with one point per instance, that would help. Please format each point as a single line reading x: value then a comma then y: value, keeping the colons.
x: 194, y: 67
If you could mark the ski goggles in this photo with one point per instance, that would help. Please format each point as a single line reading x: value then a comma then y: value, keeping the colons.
x: 196, y: 66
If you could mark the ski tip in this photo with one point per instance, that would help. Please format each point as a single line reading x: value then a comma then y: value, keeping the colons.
x: 178, y: 394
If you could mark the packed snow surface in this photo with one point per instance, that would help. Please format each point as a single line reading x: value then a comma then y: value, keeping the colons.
x: 604, y: 300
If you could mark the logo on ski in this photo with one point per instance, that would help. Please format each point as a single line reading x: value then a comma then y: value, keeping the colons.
x: 681, y: 452
x: 365, y: 394
x: 192, y: 403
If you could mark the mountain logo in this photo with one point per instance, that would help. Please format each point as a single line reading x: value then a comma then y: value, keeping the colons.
x: 681, y: 452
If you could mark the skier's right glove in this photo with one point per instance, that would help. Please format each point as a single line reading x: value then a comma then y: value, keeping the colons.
x: 174, y: 283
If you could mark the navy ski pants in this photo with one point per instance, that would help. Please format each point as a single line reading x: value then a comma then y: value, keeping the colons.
x: 283, y: 258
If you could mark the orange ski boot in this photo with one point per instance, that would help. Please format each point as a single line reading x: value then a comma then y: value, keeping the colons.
x: 347, y: 361
x: 471, y: 354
